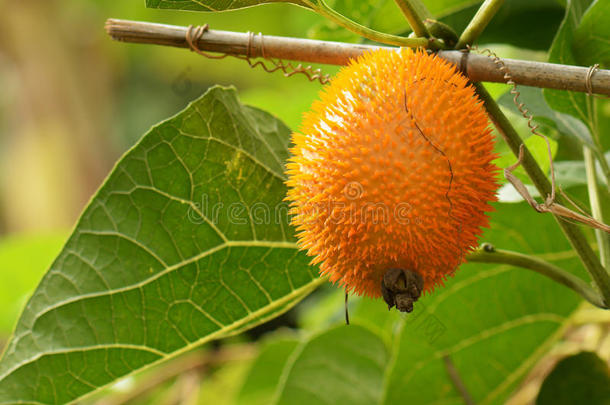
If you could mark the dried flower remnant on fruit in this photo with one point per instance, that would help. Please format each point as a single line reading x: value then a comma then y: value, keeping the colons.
x: 401, y: 288
x: 392, y: 169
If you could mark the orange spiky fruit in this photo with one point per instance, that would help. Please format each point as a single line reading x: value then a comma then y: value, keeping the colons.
x: 392, y: 168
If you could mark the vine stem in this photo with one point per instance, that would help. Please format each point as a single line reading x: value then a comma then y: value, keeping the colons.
x: 573, y: 233
x: 324, y: 10
x: 601, y: 159
x: 603, y: 239
x: 487, y: 253
x: 477, y: 67
x: 488, y: 9
x: 414, y: 17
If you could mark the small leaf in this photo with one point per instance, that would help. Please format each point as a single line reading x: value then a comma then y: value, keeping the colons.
x: 344, y: 365
x: 592, y: 37
x: 583, y: 378
x: 187, y: 241
x: 569, y: 102
x: 214, y: 5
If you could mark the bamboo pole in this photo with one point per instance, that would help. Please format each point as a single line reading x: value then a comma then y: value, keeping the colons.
x: 477, y: 67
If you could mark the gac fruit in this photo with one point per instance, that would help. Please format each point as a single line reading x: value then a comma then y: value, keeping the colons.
x: 392, y: 169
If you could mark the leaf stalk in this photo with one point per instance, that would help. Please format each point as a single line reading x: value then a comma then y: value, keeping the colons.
x: 486, y: 253
x: 414, y: 17
x: 325, y: 10
x: 603, y: 238
x: 484, y: 14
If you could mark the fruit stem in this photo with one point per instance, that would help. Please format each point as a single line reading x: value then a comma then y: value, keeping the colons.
x: 571, y: 231
x: 324, y: 10
x: 487, y: 253
x: 475, y: 27
x: 415, y: 14
x: 603, y: 238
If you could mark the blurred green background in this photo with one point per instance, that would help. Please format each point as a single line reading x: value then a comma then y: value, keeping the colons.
x: 73, y: 100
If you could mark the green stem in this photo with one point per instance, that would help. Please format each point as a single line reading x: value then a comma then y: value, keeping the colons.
x: 421, y: 9
x: 324, y: 10
x: 603, y: 163
x: 486, y: 253
x: 603, y: 238
x: 572, y: 232
x: 478, y: 23
x: 416, y: 21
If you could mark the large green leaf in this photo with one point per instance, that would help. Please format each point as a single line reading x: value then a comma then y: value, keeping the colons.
x: 592, y: 37
x: 187, y: 241
x: 491, y: 321
x: 343, y: 365
x: 561, y: 51
x: 582, y: 378
x: 213, y: 5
